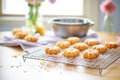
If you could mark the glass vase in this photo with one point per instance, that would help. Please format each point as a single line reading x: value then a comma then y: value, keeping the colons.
x: 108, y: 23
x: 32, y: 17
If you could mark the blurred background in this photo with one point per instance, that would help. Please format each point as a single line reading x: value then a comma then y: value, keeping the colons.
x: 12, y: 13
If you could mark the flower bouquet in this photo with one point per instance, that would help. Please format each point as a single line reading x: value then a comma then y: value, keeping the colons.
x: 108, y: 7
x: 33, y: 15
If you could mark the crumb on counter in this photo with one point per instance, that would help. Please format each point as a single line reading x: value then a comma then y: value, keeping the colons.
x: 11, y: 66
x: 14, y: 56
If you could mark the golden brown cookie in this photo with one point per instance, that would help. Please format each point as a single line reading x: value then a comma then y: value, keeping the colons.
x: 52, y: 50
x: 73, y: 40
x: 21, y: 34
x: 31, y: 38
x: 101, y: 48
x: 15, y: 30
x: 90, y: 54
x: 110, y: 44
x: 71, y: 53
x: 91, y: 42
x: 80, y: 46
x: 63, y: 44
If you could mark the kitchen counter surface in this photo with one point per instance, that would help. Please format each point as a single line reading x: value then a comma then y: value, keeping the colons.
x: 12, y: 66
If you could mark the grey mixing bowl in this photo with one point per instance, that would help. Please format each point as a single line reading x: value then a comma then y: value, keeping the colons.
x: 69, y: 27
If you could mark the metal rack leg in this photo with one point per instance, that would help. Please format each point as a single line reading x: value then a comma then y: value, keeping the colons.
x: 100, y: 71
x: 24, y: 59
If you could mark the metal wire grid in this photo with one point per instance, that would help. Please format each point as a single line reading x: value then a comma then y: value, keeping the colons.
x: 101, y: 63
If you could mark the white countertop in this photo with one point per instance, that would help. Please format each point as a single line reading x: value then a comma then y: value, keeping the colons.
x: 12, y: 67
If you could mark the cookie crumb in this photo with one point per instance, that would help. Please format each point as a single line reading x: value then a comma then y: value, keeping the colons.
x: 41, y: 67
x: 60, y: 72
x: 1, y: 66
x: 11, y: 66
x: 25, y: 71
x: 20, y: 65
x: 60, y: 67
x: 17, y: 66
x: 42, y: 63
x: 47, y: 70
x: 14, y: 56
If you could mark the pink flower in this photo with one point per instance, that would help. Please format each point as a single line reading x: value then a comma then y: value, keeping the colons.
x: 118, y: 39
x: 39, y: 1
x: 108, y: 7
x: 52, y: 1
x: 34, y: 1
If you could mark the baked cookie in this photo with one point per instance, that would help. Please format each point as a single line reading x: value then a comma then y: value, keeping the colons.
x: 52, y: 50
x: 101, y: 48
x: 110, y: 44
x: 90, y: 54
x: 21, y: 34
x: 15, y: 30
x: 63, y: 44
x: 91, y: 42
x: 73, y: 40
x: 71, y: 53
x: 80, y: 46
x: 31, y: 38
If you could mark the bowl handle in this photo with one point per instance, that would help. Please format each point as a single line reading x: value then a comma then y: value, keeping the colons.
x: 91, y: 23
